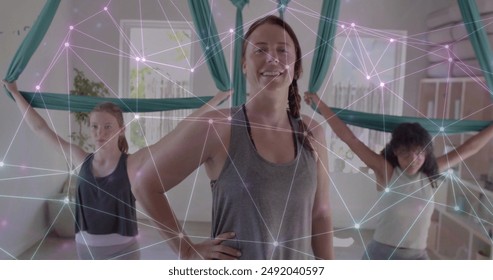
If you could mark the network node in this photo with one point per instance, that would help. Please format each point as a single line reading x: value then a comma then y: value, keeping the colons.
x: 305, y: 134
x: 137, y: 116
x: 353, y: 24
x: 392, y: 40
x: 287, y: 66
x: 446, y: 46
x: 192, y: 69
x: 66, y: 200
x: 67, y: 44
x: 442, y: 129
x: 71, y: 27
x: 450, y: 171
x: 211, y: 121
x: 356, y: 226
x: 231, y: 30
x: 180, y: 235
x: 105, y: 8
x: 343, y: 26
x: 387, y: 190
x: 137, y: 58
x: 229, y: 118
x: 1, y: 164
x: 456, y: 208
x: 368, y: 77
x: 450, y: 59
x: 143, y: 59
x: 38, y: 87
x: 72, y: 172
x: 275, y: 244
x: 382, y: 84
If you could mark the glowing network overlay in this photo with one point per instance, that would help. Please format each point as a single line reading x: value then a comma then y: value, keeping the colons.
x: 296, y: 12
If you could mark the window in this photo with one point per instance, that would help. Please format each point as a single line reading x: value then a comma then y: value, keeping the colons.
x: 155, y: 63
x: 362, y: 61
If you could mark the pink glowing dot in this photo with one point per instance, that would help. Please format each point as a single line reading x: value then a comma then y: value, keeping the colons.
x: 38, y: 87
x: 71, y: 27
x: 231, y: 30
x: 229, y: 118
x: 367, y: 77
x: 450, y: 59
x: 137, y: 58
x: 343, y: 26
x: 143, y: 59
x: 353, y: 24
x: 2, y: 164
x: 391, y: 40
x: 192, y: 70
x: 211, y: 121
x: 67, y: 44
x: 382, y: 84
x: 105, y: 8
x: 446, y: 46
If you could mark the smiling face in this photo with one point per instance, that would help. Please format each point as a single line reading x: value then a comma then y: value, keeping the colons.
x: 105, y: 130
x: 269, y: 58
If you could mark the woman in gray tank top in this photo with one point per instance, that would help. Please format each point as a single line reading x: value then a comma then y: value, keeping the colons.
x: 406, y: 171
x: 105, y: 218
x: 266, y: 162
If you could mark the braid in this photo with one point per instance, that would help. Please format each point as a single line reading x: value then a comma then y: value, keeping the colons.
x: 294, y: 101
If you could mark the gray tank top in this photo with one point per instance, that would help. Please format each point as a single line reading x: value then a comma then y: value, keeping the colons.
x: 105, y: 205
x: 268, y: 205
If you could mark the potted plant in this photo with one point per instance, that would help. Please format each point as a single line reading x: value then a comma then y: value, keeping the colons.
x: 62, y: 207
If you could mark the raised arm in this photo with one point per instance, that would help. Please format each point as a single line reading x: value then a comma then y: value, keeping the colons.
x: 322, y: 230
x: 155, y: 170
x: 39, y: 126
x: 467, y: 149
x: 383, y: 170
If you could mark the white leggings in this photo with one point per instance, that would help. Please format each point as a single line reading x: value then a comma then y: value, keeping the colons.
x: 126, y: 251
x: 379, y: 251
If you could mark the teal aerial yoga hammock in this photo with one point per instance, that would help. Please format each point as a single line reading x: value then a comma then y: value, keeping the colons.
x: 321, y: 61
x: 81, y: 103
x: 478, y: 38
x: 216, y: 63
x: 239, y: 83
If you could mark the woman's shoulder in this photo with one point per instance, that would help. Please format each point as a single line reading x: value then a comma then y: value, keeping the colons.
x: 313, y: 126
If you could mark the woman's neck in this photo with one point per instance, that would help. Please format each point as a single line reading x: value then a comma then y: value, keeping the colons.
x: 268, y: 113
x: 107, y: 154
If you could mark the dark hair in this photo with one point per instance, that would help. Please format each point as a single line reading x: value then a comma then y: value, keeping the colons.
x: 115, y: 111
x: 410, y: 135
x: 294, y: 98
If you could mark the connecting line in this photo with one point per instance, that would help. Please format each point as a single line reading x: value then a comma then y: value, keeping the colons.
x: 358, y: 48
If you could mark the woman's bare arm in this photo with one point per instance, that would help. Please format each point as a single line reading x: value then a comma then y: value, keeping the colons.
x: 39, y: 126
x: 466, y: 150
x: 383, y: 170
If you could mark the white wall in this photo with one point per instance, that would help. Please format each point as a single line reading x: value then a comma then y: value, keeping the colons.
x: 23, y: 221
x: 23, y: 200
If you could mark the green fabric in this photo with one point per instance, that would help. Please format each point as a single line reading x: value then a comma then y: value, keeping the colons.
x: 203, y: 17
x: 281, y: 7
x: 478, y: 38
x: 327, y: 27
x: 387, y: 123
x: 75, y: 103
x: 239, y: 83
x: 209, y: 40
x: 32, y: 40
